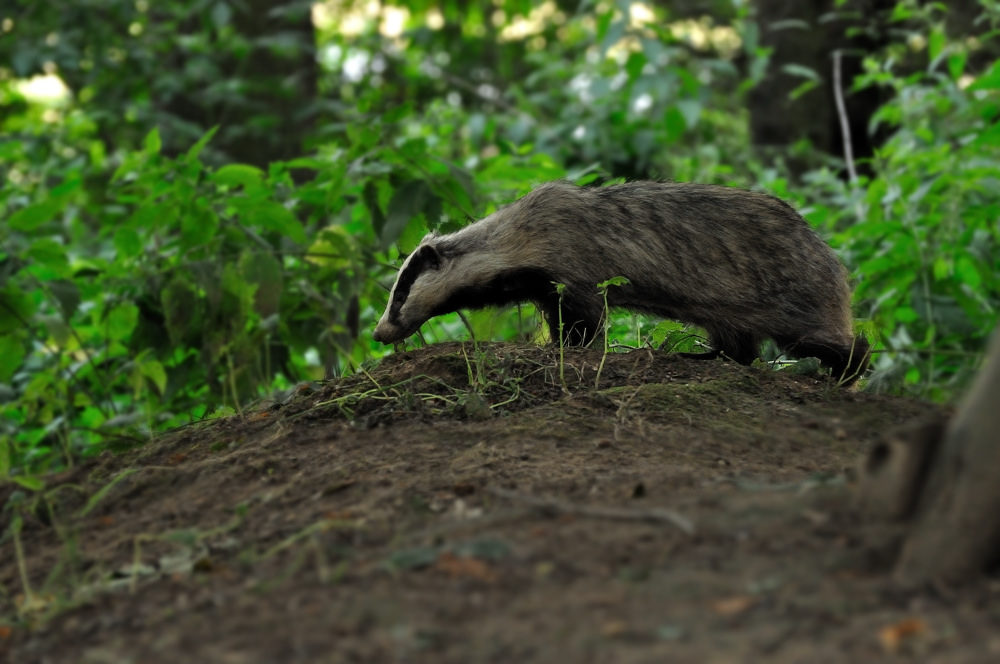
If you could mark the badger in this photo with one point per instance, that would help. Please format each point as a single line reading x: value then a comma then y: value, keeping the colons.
x: 745, y: 266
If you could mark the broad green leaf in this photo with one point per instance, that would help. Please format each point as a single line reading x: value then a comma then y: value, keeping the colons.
x: 965, y: 270
x: 66, y: 187
x: 98, y: 155
x: 310, y: 163
x: 613, y: 281
x: 154, y: 371
x: 690, y: 85
x: 691, y: 110
x: 264, y: 270
x: 196, y: 149
x: 603, y: 23
x: 988, y: 81
x: 147, y: 215
x: 67, y: 294
x: 635, y: 63
x: 152, y: 144
x: 942, y: 268
x: 397, y: 112
x: 34, y: 215
x: 802, y: 89
x: 132, y: 162
x: 49, y: 253
x: 29, y: 482
x: 674, y: 123
x: 414, y: 149
x: 407, y: 201
x: 801, y: 72
x: 989, y: 136
x: 956, y: 65
x: 615, y: 33
x: 370, y: 196
x: 127, y: 242
x: 121, y: 320
x: 462, y: 193
x: 237, y: 295
x: 239, y: 175
x: 12, y: 353
x: 16, y: 309
x: 60, y: 334
x: 334, y: 248
x: 901, y: 12
x: 180, y: 307
x: 411, y: 236
x: 198, y: 226
x: 274, y: 216
x: 935, y: 44
x: 5, y: 455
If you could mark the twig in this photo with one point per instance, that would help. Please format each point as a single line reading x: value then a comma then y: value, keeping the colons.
x: 468, y: 326
x: 465, y: 85
x: 845, y: 128
x: 614, y: 513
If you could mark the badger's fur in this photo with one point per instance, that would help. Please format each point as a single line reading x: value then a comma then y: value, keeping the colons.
x: 743, y: 265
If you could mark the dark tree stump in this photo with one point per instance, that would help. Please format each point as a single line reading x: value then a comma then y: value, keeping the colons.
x: 944, y: 482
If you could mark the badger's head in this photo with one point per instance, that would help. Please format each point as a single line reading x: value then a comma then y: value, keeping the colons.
x: 421, y: 287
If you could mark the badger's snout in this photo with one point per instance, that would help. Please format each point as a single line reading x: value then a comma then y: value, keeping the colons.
x: 387, y: 333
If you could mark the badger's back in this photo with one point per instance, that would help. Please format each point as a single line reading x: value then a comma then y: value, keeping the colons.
x: 694, y: 252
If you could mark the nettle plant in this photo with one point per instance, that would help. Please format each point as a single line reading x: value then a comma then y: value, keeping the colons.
x: 157, y: 298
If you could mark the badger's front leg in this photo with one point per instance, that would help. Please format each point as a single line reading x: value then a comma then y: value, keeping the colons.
x: 581, y: 318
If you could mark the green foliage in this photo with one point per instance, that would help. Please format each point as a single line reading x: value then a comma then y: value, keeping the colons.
x: 616, y: 86
x: 922, y: 233
x: 175, y: 288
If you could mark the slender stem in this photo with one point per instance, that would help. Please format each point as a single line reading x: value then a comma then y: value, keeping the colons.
x: 562, y: 364
x: 845, y: 127
x: 600, y: 367
x: 22, y: 567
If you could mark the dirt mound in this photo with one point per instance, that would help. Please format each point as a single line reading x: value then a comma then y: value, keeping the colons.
x: 466, y: 503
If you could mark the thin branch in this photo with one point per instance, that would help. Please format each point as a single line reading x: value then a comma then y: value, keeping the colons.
x: 458, y: 82
x: 845, y: 128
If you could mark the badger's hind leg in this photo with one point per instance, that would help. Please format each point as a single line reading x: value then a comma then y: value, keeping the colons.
x: 742, y: 347
x: 846, y: 361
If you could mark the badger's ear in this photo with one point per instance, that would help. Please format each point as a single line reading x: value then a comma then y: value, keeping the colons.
x: 429, y: 256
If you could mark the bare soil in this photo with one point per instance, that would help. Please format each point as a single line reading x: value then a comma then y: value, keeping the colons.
x: 458, y: 504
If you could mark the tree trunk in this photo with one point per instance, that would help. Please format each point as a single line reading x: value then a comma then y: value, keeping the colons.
x: 948, y: 479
